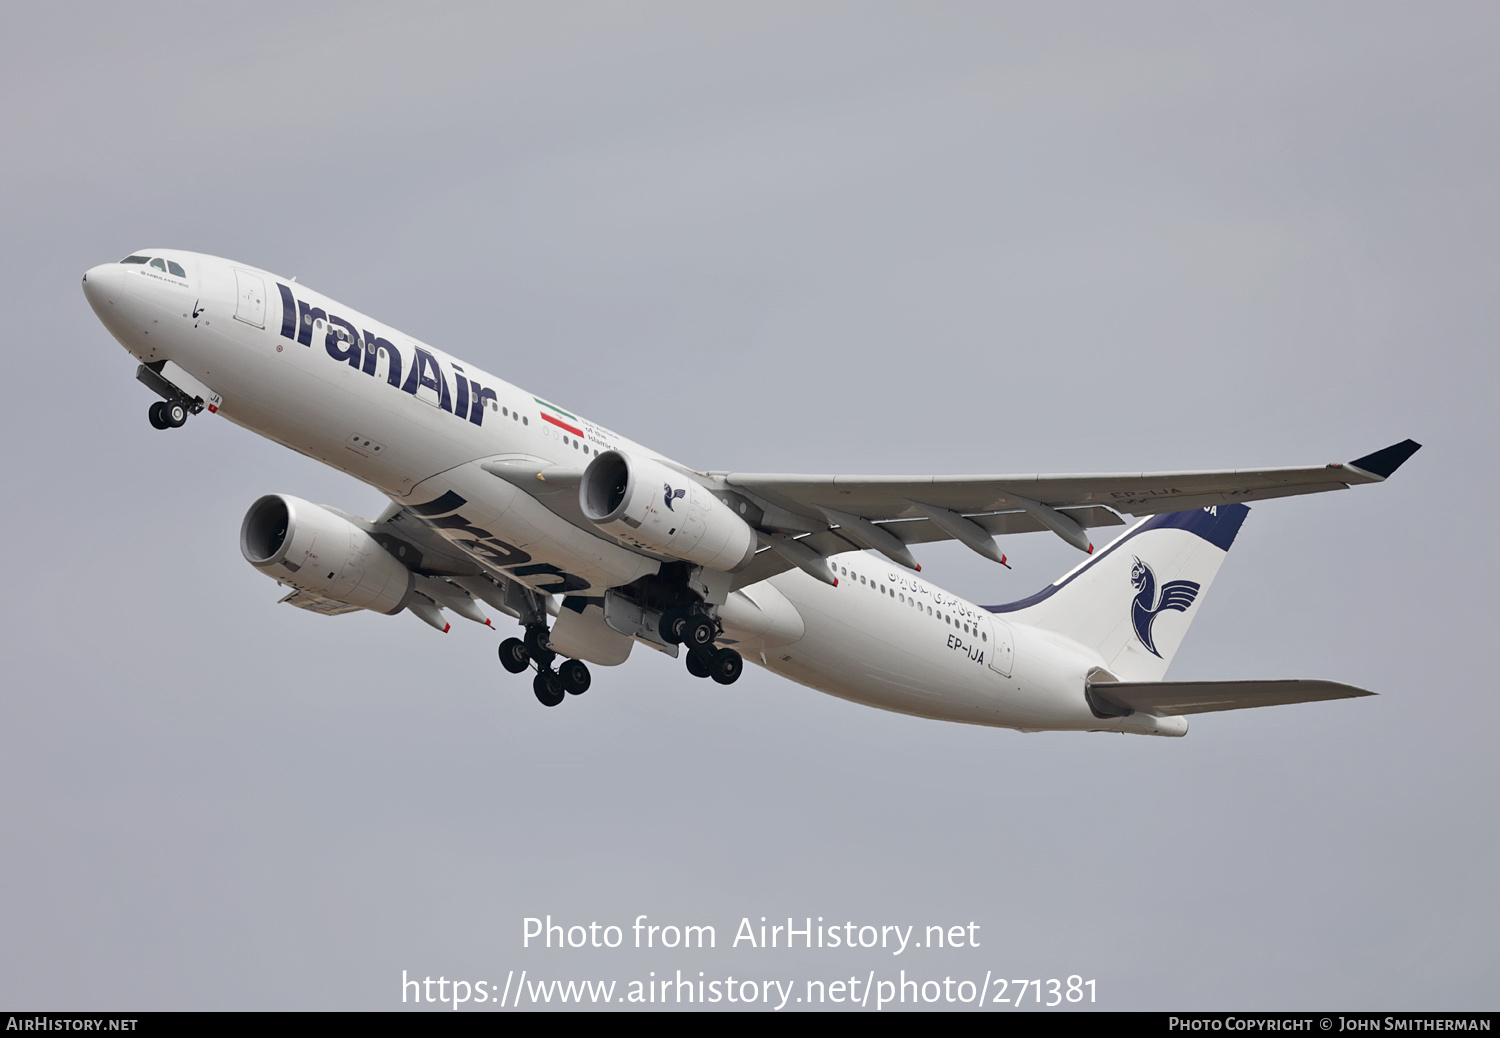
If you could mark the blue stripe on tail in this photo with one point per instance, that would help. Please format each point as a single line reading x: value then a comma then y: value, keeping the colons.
x: 1216, y: 524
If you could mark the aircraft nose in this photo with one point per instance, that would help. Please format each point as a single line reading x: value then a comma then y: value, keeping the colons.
x: 101, y: 285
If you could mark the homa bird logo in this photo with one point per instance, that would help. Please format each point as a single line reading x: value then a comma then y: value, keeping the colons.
x: 671, y: 494
x: 1176, y: 594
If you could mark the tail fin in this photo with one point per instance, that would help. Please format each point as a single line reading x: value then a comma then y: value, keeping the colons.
x: 1133, y: 601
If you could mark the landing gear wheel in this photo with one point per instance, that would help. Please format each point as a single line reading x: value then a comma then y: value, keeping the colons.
x: 513, y: 655
x: 548, y: 688
x: 699, y: 664
x: 155, y: 416
x: 726, y: 666
x: 575, y: 677
x: 673, y: 626
x: 175, y: 415
x: 699, y: 633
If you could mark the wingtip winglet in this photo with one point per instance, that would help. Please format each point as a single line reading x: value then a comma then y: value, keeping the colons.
x: 1384, y: 462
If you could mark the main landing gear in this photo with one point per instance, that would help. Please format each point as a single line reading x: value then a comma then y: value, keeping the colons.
x: 168, y: 414
x: 698, y: 631
x: 550, y: 686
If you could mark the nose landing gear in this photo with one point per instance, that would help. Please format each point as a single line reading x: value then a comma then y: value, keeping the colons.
x: 177, y: 403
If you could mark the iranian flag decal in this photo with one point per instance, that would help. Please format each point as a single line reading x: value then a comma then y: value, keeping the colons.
x: 558, y: 421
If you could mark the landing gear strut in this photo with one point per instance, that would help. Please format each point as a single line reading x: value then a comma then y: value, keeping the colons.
x: 538, y: 647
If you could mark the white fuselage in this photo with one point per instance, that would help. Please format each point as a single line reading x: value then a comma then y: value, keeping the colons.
x: 416, y: 423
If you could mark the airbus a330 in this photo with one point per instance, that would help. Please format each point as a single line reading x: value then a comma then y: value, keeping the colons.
x: 596, y: 544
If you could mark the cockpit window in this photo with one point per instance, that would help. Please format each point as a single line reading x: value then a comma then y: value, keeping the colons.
x: 176, y: 268
x: 159, y: 265
x: 135, y: 259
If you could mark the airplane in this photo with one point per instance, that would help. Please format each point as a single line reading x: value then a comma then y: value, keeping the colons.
x: 596, y: 544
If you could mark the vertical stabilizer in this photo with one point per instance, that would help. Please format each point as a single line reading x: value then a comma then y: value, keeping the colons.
x: 1132, y: 602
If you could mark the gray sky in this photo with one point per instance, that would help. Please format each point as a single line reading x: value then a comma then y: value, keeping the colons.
x: 860, y: 238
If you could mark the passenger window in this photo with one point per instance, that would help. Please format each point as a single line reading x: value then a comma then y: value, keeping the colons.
x: 159, y: 265
x: 176, y: 268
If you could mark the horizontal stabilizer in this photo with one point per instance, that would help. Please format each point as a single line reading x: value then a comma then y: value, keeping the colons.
x: 1169, y: 698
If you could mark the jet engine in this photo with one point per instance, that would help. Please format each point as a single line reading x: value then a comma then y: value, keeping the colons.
x: 647, y: 505
x: 312, y: 549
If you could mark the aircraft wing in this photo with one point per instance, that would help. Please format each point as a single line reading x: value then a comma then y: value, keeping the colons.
x: 829, y: 514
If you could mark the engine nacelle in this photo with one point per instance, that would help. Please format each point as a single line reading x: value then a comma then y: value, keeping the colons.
x: 647, y: 505
x: 312, y: 549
